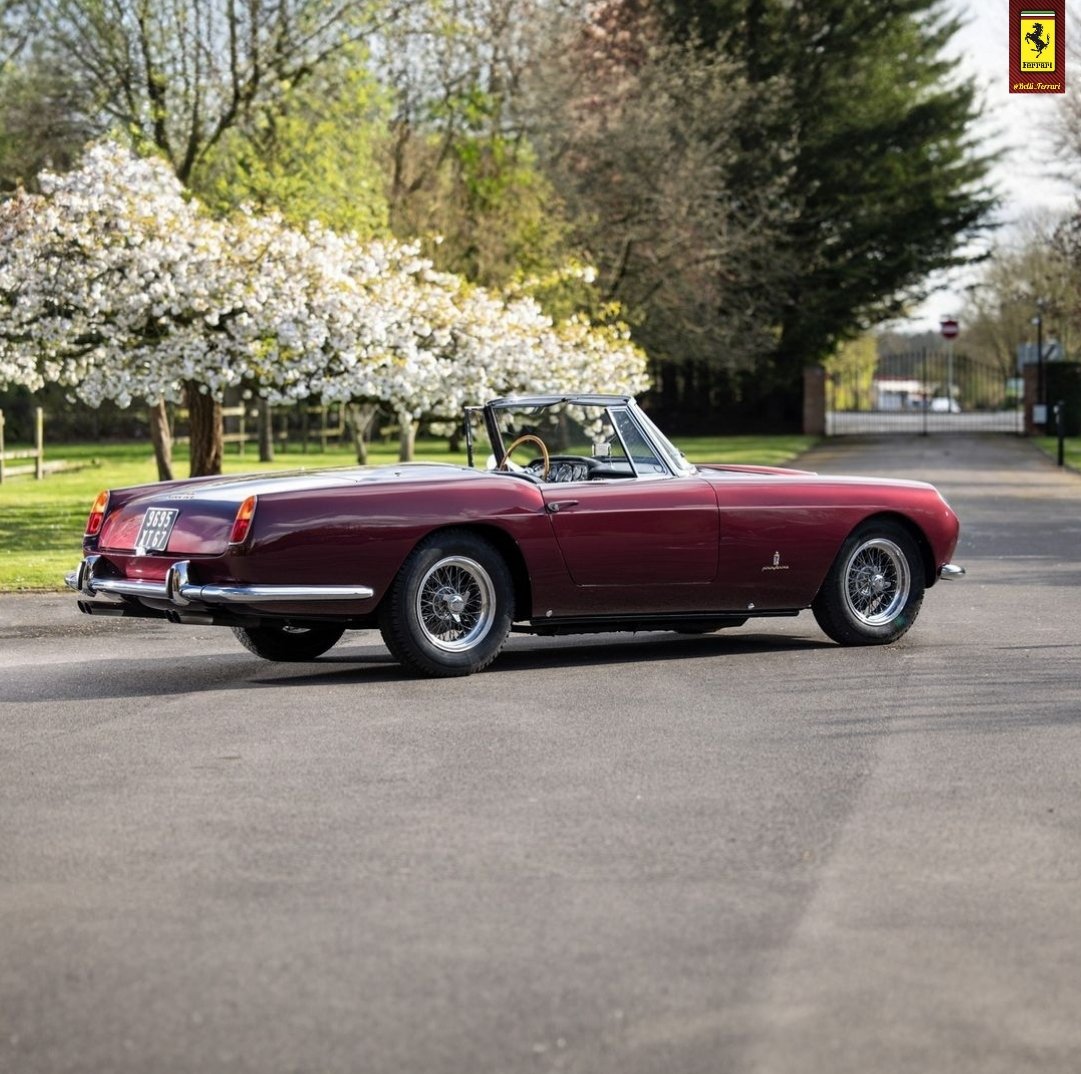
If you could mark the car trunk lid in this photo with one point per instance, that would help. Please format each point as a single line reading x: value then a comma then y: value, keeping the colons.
x: 195, y: 518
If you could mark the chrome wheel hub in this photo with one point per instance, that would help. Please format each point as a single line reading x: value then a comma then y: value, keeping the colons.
x: 877, y: 581
x: 448, y: 603
x: 455, y: 604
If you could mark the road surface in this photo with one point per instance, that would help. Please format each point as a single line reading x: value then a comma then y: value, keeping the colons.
x: 747, y: 852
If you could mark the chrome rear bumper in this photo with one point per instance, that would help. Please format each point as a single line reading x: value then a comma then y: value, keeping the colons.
x: 951, y: 571
x: 179, y: 590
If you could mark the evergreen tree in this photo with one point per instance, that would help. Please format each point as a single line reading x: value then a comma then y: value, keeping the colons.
x: 884, y: 183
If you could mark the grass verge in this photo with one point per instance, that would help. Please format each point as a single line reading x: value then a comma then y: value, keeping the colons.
x: 1071, y: 449
x: 41, y: 522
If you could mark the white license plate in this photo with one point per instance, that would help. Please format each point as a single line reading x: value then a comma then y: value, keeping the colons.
x: 154, y: 532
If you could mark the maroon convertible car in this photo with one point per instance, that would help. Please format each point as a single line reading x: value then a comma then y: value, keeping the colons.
x: 585, y: 519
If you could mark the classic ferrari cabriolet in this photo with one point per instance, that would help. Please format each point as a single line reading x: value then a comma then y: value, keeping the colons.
x: 585, y: 519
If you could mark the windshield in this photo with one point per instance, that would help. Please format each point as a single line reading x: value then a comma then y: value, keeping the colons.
x: 572, y: 440
x: 676, y: 459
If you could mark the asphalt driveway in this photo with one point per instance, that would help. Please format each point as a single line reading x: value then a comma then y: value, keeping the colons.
x: 747, y: 852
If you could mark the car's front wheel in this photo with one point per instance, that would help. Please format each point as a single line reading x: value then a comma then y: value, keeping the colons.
x: 289, y: 642
x: 874, y: 588
x: 449, y: 610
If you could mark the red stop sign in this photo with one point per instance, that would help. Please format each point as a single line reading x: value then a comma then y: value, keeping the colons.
x: 949, y: 328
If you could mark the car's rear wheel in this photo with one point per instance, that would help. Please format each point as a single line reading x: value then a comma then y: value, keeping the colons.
x: 449, y: 609
x: 874, y: 588
x: 290, y: 642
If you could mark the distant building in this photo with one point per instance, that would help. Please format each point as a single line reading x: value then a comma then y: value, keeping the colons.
x: 898, y: 393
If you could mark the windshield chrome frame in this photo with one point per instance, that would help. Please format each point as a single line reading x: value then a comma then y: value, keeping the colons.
x: 467, y: 423
x: 668, y: 455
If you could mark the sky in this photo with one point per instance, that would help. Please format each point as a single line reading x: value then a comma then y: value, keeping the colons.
x: 1021, y: 124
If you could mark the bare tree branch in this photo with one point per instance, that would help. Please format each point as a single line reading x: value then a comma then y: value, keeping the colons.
x: 181, y: 73
x: 17, y: 20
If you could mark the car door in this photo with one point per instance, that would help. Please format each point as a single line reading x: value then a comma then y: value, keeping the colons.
x: 642, y: 533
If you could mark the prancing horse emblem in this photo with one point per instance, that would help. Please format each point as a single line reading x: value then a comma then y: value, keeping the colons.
x: 1036, y: 39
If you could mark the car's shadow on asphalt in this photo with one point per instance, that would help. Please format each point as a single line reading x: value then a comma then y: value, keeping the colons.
x: 197, y: 673
x: 537, y: 654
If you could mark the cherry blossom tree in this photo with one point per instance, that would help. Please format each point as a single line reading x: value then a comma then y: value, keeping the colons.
x: 93, y: 275
x: 385, y: 327
x: 115, y: 283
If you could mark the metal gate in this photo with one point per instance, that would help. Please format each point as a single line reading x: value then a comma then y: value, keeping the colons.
x: 934, y: 391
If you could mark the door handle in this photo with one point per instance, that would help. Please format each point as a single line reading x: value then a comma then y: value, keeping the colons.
x: 555, y: 506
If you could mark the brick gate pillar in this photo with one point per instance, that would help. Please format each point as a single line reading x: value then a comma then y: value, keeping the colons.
x: 1032, y: 387
x: 814, y: 401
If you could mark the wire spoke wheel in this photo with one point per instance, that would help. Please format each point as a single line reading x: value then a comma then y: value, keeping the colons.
x: 874, y: 589
x: 455, y: 604
x: 450, y: 607
x: 877, y: 581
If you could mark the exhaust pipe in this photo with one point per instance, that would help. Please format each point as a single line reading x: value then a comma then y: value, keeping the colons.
x: 210, y: 619
x: 119, y: 611
x: 190, y: 619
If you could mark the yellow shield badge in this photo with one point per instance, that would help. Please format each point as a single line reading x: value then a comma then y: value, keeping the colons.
x: 1038, y: 41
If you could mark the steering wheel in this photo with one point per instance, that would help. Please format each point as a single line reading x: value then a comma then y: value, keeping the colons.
x: 525, y: 439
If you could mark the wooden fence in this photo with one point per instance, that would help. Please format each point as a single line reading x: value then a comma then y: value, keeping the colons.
x: 329, y: 424
x: 242, y: 425
x: 324, y: 428
x: 240, y: 437
x: 37, y: 452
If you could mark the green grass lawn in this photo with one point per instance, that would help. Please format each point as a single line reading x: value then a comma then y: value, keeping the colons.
x: 1071, y: 452
x: 41, y: 522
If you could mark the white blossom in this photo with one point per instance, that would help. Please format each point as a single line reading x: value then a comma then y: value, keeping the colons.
x: 115, y: 283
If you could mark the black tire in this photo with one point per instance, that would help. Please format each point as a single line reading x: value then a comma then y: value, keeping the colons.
x: 288, y: 642
x: 449, y: 610
x: 874, y: 588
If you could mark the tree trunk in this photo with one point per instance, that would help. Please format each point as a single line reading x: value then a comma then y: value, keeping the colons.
x: 161, y: 437
x: 266, y: 432
x: 407, y: 441
x: 204, y: 417
x: 361, y: 416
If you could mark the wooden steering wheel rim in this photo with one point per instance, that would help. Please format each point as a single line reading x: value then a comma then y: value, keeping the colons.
x: 527, y: 438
